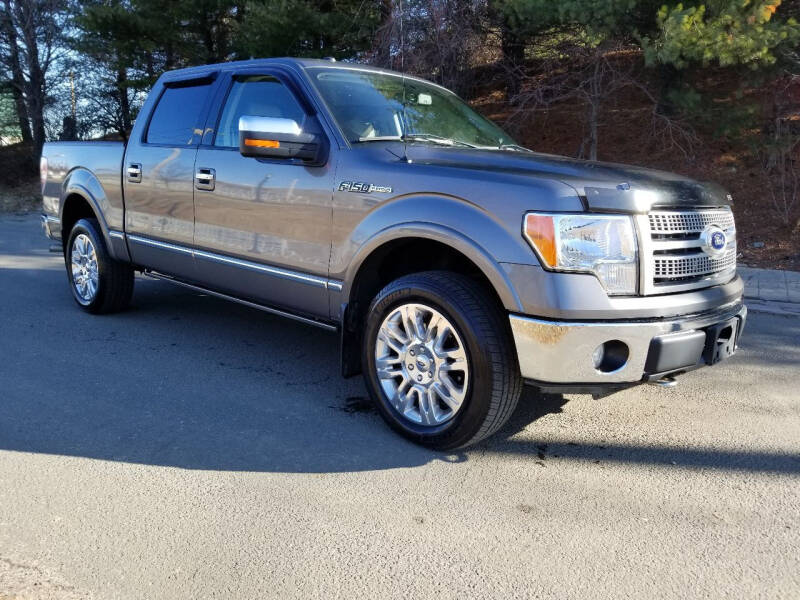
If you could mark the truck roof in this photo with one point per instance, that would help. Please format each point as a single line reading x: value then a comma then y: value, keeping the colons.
x: 284, y: 61
x: 302, y: 63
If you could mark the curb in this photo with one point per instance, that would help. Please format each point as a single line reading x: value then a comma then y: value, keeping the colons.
x: 773, y: 307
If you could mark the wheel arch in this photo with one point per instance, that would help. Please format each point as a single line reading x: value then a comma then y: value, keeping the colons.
x: 83, y: 197
x: 442, y: 236
x: 392, y: 253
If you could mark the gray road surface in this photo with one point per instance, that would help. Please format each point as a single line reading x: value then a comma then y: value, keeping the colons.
x: 192, y: 448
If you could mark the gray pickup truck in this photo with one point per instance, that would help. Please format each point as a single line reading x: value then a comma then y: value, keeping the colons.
x: 455, y: 264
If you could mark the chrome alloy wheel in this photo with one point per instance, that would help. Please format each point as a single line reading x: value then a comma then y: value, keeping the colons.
x: 84, y: 268
x: 422, y: 364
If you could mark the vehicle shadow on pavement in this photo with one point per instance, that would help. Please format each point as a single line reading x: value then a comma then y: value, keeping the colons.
x: 190, y: 381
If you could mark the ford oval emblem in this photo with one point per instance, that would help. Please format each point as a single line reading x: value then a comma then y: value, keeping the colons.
x: 713, y: 241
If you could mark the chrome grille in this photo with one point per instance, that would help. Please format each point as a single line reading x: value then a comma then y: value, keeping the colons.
x: 669, y: 222
x: 672, y: 252
x: 693, y: 266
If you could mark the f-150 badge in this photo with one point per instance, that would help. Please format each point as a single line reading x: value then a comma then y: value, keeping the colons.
x: 363, y: 188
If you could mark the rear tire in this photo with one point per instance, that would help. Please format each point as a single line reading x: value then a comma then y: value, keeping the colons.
x: 99, y: 284
x: 442, y: 395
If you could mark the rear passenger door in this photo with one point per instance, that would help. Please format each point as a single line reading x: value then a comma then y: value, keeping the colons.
x: 158, y: 177
x: 262, y: 226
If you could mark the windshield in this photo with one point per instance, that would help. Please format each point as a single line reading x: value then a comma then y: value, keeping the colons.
x: 368, y: 106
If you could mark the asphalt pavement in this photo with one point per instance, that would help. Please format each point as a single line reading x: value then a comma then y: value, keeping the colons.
x: 193, y: 448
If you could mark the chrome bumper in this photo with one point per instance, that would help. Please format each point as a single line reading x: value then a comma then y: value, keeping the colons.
x: 51, y: 227
x: 561, y: 352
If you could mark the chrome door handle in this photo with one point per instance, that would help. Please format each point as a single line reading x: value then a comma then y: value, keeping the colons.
x: 204, y: 178
x: 135, y: 173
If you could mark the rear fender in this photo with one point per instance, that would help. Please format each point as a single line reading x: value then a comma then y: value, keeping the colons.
x: 83, y: 183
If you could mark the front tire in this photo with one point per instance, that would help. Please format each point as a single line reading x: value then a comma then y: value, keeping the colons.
x: 439, y: 360
x: 99, y: 284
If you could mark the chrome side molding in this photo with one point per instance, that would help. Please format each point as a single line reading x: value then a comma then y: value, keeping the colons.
x: 314, y: 280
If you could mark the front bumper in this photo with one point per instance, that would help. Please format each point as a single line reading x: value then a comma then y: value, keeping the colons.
x: 563, y: 352
x: 51, y: 227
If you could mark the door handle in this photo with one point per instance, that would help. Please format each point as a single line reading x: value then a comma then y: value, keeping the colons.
x: 135, y: 172
x: 204, y: 178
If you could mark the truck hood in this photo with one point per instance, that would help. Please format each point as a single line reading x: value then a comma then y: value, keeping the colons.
x: 601, y: 186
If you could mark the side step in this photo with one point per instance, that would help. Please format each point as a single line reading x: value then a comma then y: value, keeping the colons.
x: 262, y: 307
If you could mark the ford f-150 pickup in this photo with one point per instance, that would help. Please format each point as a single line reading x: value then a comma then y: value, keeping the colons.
x: 455, y: 264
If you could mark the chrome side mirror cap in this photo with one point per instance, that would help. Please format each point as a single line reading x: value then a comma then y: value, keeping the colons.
x: 272, y: 137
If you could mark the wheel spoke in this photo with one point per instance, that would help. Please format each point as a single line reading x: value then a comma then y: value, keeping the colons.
x: 442, y: 333
x: 390, y: 340
x: 456, y: 359
x: 389, y: 368
x: 427, y: 408
x: 418, y: 323
x: 392, y: 329
x: 449, y: 394
x: 433, y: 324
x: 407, y: 324
x: 408, y: 401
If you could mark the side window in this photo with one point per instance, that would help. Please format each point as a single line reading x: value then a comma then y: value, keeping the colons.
x: 256, y: 96
x: 176, y: 115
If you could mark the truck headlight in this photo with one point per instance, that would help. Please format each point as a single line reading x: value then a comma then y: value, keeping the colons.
x: 604, y: 245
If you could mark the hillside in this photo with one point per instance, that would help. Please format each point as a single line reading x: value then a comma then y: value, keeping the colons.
x: 626, y: 136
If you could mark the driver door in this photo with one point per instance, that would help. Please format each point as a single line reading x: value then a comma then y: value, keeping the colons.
x: 262, y: 226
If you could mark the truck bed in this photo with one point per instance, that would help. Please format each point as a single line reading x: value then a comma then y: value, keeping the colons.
x: 103, y: 159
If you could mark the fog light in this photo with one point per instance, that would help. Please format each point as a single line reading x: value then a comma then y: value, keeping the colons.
x: 610, y: 356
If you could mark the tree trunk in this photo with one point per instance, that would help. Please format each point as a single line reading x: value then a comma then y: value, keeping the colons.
x: 384, y: 35
x: 27, y: 18
x: 124, y: 103
x: 595, y: 97
x: 513, y: 61
x: 17, y: 78
x: 593, y: 129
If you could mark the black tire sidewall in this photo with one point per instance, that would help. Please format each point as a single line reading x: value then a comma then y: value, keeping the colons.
x: 89, y: 227
x: 461, y: 428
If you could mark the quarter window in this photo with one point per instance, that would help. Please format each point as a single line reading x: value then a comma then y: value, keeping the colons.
x: 255, y: 96
x: 176, y: 115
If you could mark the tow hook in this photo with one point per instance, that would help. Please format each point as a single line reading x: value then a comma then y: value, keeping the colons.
x: 665, y: 382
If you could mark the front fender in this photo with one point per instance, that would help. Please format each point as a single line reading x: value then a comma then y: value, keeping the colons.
x: 465, y: 227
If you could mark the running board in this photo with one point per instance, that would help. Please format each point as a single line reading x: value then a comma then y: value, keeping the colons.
x: 262, y: 307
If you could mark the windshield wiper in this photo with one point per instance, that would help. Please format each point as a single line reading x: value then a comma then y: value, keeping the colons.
x: 418, y: 137
x: 381, y: 138
x: 515, y: 147
x: 438, y: 139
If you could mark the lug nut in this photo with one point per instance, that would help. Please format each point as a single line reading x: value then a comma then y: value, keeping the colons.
x: 411, y: 353
x: 410, y: 367
x: 419, y: 377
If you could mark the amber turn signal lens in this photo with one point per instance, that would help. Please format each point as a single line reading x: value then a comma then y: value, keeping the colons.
x: 540, y: 231
x: 262, y: 143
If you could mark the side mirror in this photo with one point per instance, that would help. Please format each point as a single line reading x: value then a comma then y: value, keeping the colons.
x: 271, y: 137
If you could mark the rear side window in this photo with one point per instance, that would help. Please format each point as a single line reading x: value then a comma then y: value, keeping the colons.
x: 255, y: 96
x: 176, y: 115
